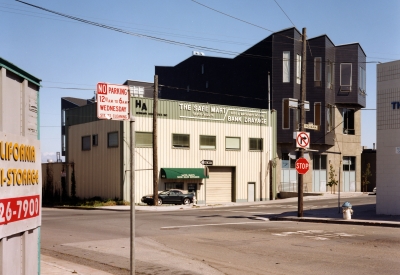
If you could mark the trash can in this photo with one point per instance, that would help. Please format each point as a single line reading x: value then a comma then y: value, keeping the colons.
x: 347, y: 211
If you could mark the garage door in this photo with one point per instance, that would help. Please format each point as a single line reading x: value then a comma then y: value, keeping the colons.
x: 219, y: 185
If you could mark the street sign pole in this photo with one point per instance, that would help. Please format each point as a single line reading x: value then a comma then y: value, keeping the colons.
x: 302, y: 121
x: 132, y: 198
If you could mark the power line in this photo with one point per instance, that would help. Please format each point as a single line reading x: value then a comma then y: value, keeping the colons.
x: 285, y: 13
x: 241, y: 20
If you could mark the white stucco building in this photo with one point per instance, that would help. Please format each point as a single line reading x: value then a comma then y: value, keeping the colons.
x: 388, y: 138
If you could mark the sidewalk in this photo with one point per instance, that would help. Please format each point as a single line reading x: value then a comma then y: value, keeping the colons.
x: 363, y: 215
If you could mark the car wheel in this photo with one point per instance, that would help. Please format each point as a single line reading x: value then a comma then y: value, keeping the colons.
x: 159, y: 201
x: 186, y: 201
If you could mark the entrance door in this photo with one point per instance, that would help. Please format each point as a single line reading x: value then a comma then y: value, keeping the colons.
x: 349, y: 174
x: 219, y: 185
x: 319, y: 173
x: 251, y: 194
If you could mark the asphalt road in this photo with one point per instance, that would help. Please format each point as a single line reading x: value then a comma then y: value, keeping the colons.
x: 228, y: 240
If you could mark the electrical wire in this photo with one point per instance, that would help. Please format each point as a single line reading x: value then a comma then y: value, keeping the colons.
x: 241, y: 20
x: 285, y: 13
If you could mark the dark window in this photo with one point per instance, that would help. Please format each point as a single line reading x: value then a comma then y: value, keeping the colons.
x: 317, y: 113
x: 317, y: 71
x: 349, y: 163
x: 180, y: 141
x: 255, y: 144
x: 348, y: 121
x: 112, y: 139
x: 95, y: 140
x: 362, y: 80
x: 86, y: 143
x: 345, y: 77
x: 208, y: 142
x: 285, y: 114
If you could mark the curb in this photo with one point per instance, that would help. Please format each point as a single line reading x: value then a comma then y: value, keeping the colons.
x: 337, y: 221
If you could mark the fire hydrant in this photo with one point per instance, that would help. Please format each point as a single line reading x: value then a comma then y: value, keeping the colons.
x: 347, y: 211
x: 194, y: 200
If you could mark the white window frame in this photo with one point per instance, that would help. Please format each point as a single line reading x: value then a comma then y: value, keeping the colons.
x: 362, y: 80
x: 286, y: 67
x: 317, y: 71
x: 232, y: 140
x: 298, y: 69
x: 144, y: 139
x: 330, y: 70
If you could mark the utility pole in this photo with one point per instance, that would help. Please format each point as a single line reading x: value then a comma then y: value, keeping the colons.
x: 155, y: 148
x: 302, y: 122
x: 132, y: 196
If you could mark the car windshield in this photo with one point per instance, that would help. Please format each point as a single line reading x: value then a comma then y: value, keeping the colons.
x: 164, y: 193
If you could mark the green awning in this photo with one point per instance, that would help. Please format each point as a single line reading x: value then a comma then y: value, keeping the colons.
x: 182, y: 173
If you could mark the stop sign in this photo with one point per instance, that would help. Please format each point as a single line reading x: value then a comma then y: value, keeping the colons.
x: 302, y: 166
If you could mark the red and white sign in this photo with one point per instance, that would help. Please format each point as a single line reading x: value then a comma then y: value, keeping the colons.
x: 17, y: 209
x: 112, y: 101
x: 302, y: 166
x: 303, y: 140
x: 20, y: 184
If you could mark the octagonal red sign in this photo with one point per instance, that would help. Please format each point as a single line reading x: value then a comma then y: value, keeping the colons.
x: 302, y: 166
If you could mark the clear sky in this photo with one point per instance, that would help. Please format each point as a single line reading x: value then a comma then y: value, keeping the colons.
x: 72, y: 57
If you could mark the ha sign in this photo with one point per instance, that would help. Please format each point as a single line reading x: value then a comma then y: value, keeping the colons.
x: 112, y: 101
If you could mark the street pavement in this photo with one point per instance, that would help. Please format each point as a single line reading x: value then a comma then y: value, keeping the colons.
x: 363, y: 215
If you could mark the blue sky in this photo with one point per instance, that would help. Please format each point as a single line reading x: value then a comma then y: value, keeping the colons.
x: 69, y: 54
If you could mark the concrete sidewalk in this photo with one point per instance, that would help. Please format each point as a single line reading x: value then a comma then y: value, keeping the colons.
x: 363, y: 215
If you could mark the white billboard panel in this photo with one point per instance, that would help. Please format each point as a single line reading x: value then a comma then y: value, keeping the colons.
x: 20, y: 184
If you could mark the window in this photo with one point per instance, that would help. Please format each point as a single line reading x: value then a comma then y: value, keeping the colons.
x: 136, y: 91
x: 329, y: 80
x: 349, y: 163
x: 232, y: 143
x: 86, y: 143
x: 180, y: 141
x: 207, y: 142
x: 345, y: 77
x: 285, y: 114
x: 298, y: 69
x: 317, y: 71
x: 286, y: 67
x: 348, y: 121
x: 95, y: 140
x: 362, y: 80
x: 297, y: 118
x: 319, y: 162
x: 317, y: 113
x: 144, y: 139
x: 255, y: 144
x: 330, y: 117
x: 112, y: 139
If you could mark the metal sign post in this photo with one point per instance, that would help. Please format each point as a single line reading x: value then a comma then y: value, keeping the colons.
x: 113, y: 103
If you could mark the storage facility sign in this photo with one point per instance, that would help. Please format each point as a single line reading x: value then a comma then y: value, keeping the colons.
x: 112, y: 101
x: 20, y: 184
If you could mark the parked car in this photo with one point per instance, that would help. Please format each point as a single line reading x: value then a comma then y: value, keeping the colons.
x: 172, y: 196
x: 374, y: 191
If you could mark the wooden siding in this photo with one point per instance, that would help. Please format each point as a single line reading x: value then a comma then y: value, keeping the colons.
x: 97, y: 171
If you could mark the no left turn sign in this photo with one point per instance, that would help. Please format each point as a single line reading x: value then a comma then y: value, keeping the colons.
x: 303, y: 140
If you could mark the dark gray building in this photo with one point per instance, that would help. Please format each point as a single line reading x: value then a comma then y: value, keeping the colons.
x: 335, y: 86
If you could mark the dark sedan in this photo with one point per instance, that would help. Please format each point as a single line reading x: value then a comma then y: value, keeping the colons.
x: 172, y: 196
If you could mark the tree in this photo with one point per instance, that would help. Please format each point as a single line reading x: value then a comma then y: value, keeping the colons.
x: 332, y: 178
x: 367, y: 173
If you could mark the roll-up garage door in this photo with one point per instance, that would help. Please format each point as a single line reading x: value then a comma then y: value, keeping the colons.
x: 219, y: 185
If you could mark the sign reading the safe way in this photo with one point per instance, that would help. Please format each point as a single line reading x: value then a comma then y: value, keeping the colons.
x: 20, y: 184
x: 112, y: 101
